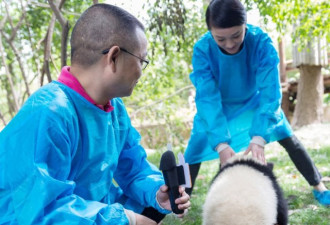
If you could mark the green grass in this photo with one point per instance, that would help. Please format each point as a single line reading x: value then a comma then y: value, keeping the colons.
x: 303, y: 209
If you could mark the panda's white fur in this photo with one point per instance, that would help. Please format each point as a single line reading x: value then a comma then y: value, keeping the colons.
x: 242, y: 195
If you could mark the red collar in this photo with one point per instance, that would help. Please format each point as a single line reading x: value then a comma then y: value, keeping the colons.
x: 71, y: 81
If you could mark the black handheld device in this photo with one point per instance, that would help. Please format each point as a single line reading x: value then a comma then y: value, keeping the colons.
x: 170, y: 172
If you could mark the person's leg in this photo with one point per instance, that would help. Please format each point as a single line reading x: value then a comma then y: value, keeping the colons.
x: 306, y: 167
x: 301, y: 159
x: 153, y: 214
x: 133, y: 205
x: 194, y: 169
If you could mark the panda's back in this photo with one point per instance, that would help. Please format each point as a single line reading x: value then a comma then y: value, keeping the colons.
x: 241, y: 195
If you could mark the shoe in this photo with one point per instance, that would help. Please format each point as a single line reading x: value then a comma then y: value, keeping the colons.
x: 322, y: 197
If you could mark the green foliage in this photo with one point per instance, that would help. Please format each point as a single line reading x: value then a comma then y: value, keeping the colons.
x: 172, y: 30
x: 173, y: 27
x: 168, y: 22
x: 326, y: 98
x: 29, y: 42
x: 309, y: 18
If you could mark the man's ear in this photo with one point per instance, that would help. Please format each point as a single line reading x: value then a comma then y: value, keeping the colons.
x: 112, y: 57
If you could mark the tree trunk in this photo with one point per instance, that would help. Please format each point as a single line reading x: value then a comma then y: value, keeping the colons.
x: 285, y: 92
x: 308, y: 108
x: 3, y: 120
x: 9, y: 76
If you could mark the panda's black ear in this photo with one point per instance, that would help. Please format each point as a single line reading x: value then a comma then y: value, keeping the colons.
x: 270, y: 165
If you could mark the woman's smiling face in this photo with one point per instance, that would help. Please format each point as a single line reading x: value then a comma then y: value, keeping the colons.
x: 229, y: 39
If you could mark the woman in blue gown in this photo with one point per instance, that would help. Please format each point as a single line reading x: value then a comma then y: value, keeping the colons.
x: 238, y: 96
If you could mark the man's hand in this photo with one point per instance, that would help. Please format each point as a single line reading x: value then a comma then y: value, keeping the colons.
x: 257, y: 152
x: 164, y: 200
x: 226, y: 154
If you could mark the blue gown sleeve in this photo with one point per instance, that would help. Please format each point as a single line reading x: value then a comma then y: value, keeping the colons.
x: 139, y: 179
x: 268, y: 83
x: 208, y: 98
x: 36, y: 175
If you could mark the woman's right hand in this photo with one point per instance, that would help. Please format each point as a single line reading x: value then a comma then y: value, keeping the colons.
x: 226, y: 154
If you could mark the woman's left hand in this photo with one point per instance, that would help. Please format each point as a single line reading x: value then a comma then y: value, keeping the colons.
x: 257, y: 152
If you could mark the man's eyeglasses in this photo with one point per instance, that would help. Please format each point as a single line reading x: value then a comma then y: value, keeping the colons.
x: 144, y: 62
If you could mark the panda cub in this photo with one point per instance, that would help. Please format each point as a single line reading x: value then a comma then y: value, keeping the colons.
x: 245, y: 192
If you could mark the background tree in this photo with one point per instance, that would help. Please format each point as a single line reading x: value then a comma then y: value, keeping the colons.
x: 309, y: 107
x: 310, y: 20
x: 33, y: 46
x: 159, y: 104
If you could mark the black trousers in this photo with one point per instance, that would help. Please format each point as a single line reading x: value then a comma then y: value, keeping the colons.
x: 153, y: 214
x: 297, y: 153
x: 301, y: 160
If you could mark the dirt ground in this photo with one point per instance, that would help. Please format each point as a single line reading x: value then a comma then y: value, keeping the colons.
x: 312, y: 136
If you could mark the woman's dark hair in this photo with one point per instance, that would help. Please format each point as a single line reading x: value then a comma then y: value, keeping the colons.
x: 225, y: 14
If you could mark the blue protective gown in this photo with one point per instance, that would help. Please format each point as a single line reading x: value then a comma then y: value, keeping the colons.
x: 59, y: 157
x: 237, y: 96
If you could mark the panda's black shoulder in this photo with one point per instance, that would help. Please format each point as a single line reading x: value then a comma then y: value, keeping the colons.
x: 251, y: 163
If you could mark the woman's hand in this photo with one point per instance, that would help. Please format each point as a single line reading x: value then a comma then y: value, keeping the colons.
x: 257, y: 152
x: 226, y: 154
x: 183, y: 202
